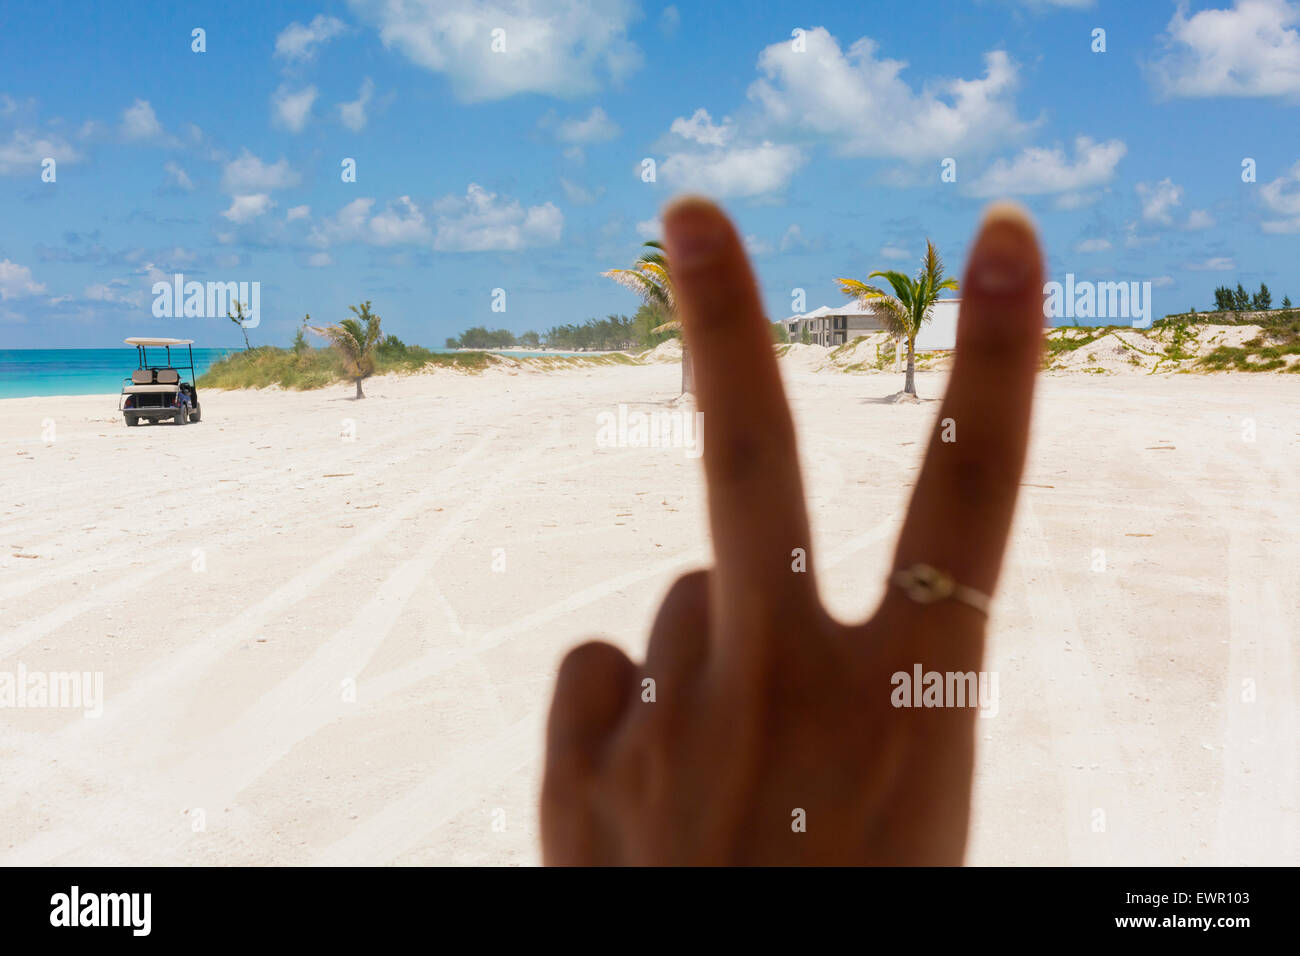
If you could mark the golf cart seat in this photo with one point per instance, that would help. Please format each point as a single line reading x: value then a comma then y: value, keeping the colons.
x: 149, y: 390
x: 166, y: 376
x: 142, y: 376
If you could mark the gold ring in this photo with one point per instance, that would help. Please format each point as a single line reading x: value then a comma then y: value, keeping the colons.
x: 928, y: 585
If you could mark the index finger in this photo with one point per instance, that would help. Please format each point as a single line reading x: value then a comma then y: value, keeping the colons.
x: 756, y: 503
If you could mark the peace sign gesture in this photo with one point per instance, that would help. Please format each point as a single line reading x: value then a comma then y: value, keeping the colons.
x: 774, y: 737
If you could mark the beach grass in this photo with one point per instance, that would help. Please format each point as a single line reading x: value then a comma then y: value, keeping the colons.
x: 310, y: 368
x: 316, y: 368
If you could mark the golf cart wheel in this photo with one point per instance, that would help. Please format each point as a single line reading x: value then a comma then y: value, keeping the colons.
x: 194, y: 415
x: 181, y: 416
x: 131, y: 420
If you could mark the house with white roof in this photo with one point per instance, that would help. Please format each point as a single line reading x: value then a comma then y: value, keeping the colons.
x: 837, y: 326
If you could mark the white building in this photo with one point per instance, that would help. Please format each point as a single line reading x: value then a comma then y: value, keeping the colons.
x: 835, y: 326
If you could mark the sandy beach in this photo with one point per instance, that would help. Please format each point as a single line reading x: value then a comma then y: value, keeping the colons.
x: 328, y: 629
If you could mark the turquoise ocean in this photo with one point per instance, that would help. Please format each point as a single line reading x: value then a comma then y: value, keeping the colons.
x: 25, y: 373
x: 29, y: 373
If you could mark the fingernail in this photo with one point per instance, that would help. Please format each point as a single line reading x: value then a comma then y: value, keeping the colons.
x: 694, y: 231
x: 1003, y: 259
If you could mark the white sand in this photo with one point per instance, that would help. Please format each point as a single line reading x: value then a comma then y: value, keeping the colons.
x: 1122, y: 734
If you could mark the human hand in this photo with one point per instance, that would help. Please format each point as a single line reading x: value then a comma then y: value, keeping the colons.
x: 766, y: 706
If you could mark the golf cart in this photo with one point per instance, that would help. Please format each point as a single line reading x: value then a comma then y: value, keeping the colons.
x: 155, y: 391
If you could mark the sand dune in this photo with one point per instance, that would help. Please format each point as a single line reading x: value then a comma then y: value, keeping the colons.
x: 328, y: 629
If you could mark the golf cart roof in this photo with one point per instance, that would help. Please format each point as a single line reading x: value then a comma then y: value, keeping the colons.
x: 159, y: 341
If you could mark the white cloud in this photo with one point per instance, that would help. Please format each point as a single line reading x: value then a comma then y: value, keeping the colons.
x: 650, y: 228
x: 320, y: 259
x: 895, y: 252
x: 1039, y: 171
x: 563, y: 48
x: 595, y: 127
x: 16, y: 281
x: 740, y: 171
x: 24, y: 152
x: 1093, y: 245
x: 862, y: 106
x: 1216, y: 264
x: 140, y: 122
x: 297, y: 212
x: 1252, y: 49
x: 850, y: 100
x: 669, y: 21
x: 246, y: 208
x: 292, y: 109
x: 482, y: 221
x: 580, y: 195
x: 1074, y: 200
x: 700, y: 128
x: 353, y: 115
x: 176, y: 176
x: 1159, y: 199
x: 299, y: 42
x: 117, y: 291
x: 248, y: 174
x: 153, y: 273
x: 1133, y: 240
x: 399, y: 222
x: 1162, y: 282
x: 754, y: 246
x: 1282, y: 197
x: 793, y: 239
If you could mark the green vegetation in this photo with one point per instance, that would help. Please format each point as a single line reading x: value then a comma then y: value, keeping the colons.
x: 613, y: 333
x: 651, y: 278
x: 1279, y: 337
x: 355, y: 340
x: 480, y: 337
x: 1239, y: 300
x: 911, y: 304
x: 240, y: 318
x: 316, y: 368
x: 1058, y: 344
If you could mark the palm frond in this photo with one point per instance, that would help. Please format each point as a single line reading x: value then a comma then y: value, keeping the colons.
x: 903, y: 286
x: 650, y: 277
x: 859, y: 289
x: 354, y: 339
x: 896, y: 317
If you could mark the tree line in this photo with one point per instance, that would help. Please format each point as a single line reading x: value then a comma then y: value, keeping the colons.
x: 1239, y: 300
x: 613, y: 333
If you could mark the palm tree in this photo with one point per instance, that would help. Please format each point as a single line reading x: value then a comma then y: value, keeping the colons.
x: 239, y: 318
x: 651, y: 279
x: 355, y: 340
x: 909, y: 307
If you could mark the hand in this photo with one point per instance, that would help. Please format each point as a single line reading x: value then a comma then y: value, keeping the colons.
x: 765, y: 706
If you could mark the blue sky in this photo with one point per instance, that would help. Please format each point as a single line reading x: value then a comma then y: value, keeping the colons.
x: 823, y: 127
